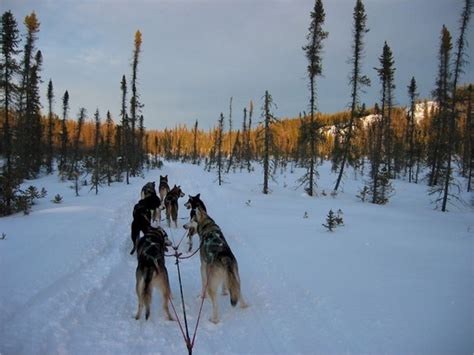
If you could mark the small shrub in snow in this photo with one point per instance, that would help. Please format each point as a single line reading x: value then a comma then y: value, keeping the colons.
x: 4, y: 236
x: 23, y: 203
x: 334, y: 220
x: 339, y: 219
x: 57, y: 199
x: 331, y: 223
x: 305, y: 214
x: 363, y: 193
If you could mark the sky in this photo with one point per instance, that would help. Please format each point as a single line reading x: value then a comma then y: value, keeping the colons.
x: 197, y: 54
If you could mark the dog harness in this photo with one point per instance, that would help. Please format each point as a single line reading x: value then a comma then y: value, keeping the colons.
x: 213, y: 241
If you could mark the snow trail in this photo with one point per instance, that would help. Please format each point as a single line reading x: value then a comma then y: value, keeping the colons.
x: 395, y: 279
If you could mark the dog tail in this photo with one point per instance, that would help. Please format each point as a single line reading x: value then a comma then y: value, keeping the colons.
x: 233, y: 279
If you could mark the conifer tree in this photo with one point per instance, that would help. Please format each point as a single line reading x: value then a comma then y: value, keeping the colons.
x: 230, y: 125
x: 357, y: 80
x: 411, y: 126
x: 35, y: 128
x: 218, y: 149
x: 331, y: 223
x: 64, y: 136
x: 386, y: 75
x: 9, y: 69
x: 244, y: 140
x: 313, y: 51
x: 108, y: 151
x: 469, y: 140
x: 268, y: 120
x: 49, y: 136
x: 439, y: 127
x: 458, y: 68
x: 96, y: 169
x: 135, y: 106
x: 248, y: 145
x: 75, y: 171
x: 195, y: 149
x: 28, y: 112
x: 126, y: 145
x: 380, y: 186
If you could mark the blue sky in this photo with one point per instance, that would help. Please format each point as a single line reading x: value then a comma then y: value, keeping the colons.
x: 199, y: 53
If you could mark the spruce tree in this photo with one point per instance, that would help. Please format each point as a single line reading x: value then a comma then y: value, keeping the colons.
x: 313, y: 51
x: 195, y: 148
x: 126, y: 141
x: 64, y: 136
x: 218, y: 149
x: 458, y: 68
x: 35, y: 127
x: 382, y: 131
x: 109, y: 156
x: 49, y: 136
x: 357, y: 80
x: 9, y: 69
x: 268, y: 139
x: 75, y: 170
x: 248, y: 145
x: 135, y: 107
x: 386, y: 75
x: 244, y: 140
x: 96, y: 168
x: 439, y: 127
x: 28, y: 110
x: 469, y: 140
x: 411, y: 127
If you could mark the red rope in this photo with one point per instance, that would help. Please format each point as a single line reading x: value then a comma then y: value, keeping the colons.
x: 186, y: 340
x: 203, y: 296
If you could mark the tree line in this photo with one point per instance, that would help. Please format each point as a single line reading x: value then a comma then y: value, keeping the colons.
x: 429, y: 141
x: 91, y: 150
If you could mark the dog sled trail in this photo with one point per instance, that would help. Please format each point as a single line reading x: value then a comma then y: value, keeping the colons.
x: 46, y: 322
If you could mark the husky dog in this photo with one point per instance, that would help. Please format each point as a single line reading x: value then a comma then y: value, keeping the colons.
x: 163, y: 190
x: 171, y: 205
x: 142, y: 212
x: 151, y: 270
x: 193, y: 203
x: 163, y: 187
x: 218, y: 263
x: 147, y: 190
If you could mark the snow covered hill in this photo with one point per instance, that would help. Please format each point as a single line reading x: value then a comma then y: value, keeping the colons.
x: 395, y: 279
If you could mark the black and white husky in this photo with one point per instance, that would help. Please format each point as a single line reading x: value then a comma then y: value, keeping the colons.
x: 218, y: 263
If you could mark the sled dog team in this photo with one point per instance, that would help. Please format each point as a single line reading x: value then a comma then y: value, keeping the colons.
x: 218, y: 263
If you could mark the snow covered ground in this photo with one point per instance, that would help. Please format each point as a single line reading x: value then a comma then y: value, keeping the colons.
x: 396, y: 279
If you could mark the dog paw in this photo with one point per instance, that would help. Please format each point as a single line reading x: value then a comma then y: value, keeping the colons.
x: 243, y: 305
x: 132, y: 251
x: 214, y: 320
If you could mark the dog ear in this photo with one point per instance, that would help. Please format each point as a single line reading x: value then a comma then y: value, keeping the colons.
x: 198, y: 195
